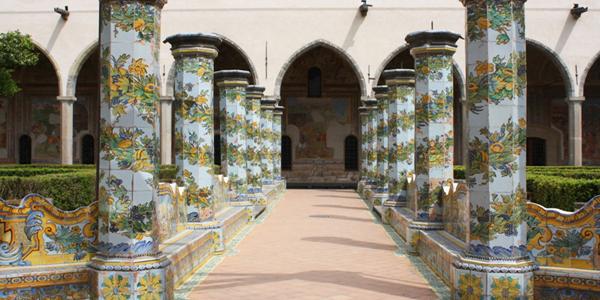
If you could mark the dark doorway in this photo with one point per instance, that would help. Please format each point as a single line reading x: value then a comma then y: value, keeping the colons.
x: 536, y: 151
x: 351, y: 153
x: 25, y: 149
x: 87, y: 149
x: 286, y: 153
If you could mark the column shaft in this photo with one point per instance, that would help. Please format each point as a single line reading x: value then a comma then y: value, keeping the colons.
x: 496, y: 95
x: 373, y: 140
x: 166, y: 129
x: 232, y: 87
x: 401, y: 84
x: 253, y: 162
x: 575, y: 131
x: 66, y: 129
x: 194, y: 74
x: 128, y: 255
x: 277, y: 116
x: 383, y: 152
x: 363, y: 112
x: 434, y: 136
x: 266, y: 131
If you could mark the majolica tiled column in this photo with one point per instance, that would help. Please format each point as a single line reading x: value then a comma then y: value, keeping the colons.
x: 266, y: 131
x: 496, y: 265
x: 254, y: 144
x: 373, y: 120
x: 434, y: 137
x: 128, y: 263
x: 381, y: 189
x: 232, y: 89
x: 363, y: 113
x: 276, y: 136
x: 194, y: 70
x: 401, y: 84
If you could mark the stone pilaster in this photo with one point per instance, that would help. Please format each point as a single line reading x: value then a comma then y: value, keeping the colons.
x: 232, y: 88
x: 128, y: 263
x: 266, y: 131
x: 382, y: 185
x: 194, y: 71
x: 166, y: 129
x: 277, y: 116
x: 401, y: 84
x: 66, y: 129
x: 434, y: 137
x: 575, y: 131
x: 363, y: 113
x: 254, y: 145
x: 373, y: 120
x: 496, y: 264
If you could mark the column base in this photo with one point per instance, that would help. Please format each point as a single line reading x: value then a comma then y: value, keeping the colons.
x: 377, y: 199
x: 135, y: 278
x: 493, y: 278
x: 216, y: 227
x: 396, y: 201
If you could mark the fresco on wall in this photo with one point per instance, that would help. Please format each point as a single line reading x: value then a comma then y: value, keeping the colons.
x: 45, y: 129
x: 3, y: 128
x: 314, y: 117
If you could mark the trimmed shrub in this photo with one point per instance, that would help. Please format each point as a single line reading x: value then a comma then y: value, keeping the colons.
x: 557, y: 186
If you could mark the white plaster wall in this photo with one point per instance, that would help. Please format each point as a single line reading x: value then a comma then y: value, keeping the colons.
x: 287, y: 25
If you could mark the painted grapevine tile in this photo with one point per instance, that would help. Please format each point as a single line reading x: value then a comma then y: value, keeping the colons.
x: 364, y: 142
x: 254, y: 143
x: 128, y: 141
x: 372, y: 140
x: 266, y: 131
x: 434, y: 137
x: 194, y: 71
x: 382, y: 139
x: 232, y: 85
x: 276, y: 140
x: 402, y: 130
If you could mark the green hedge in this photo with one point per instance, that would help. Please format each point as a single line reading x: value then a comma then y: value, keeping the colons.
x: 557, y: 186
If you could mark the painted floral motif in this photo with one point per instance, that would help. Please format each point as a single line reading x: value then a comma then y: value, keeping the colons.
x: 434, y: 67
x: 132, y: 17
x: 382, y: 144
x: 68, y: 239
x: 131, y: 86
x: 116, y: 287
x: 266, y: 131
x: 433, y: 153
x: 131, y: 148
x: 500, y: 80
x: 372, y: 144
x: 507, y: 214
x: 233, y: 127
x: 150, y: 287
x: 497, y: 16
x: 499, y: 150
x: 505, y: 287
x: 470, y: 287
x: 253, y: 159
x: 276, y: 142
x: 435, y: 107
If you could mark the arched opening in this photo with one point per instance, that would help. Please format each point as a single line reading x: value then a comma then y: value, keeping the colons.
x: 314, y: 82
x: 87, y: 149
x: 547, y: 110
x: 590, y: 112
x: 24, y: 149
x: 317, y: 123
x: 86, y: 111
x: 351, y: 153
x: 286, y: 153
x: 403, y: 60
x: 32, y: 114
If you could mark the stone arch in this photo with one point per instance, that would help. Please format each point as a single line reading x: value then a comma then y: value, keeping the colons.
x: 76, y: 68
x: 326, y: 44
x: 53, y: 62
x: 169, y: 89
x: 560, y: 65
x: 586, y: 72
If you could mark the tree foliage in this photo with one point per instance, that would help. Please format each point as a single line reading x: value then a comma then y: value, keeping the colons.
x: 16, y: 50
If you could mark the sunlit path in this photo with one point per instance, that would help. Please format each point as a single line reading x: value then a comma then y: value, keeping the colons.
x: 316, y: 244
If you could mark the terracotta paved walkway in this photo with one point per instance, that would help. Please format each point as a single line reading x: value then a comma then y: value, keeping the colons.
x: 316, y: 244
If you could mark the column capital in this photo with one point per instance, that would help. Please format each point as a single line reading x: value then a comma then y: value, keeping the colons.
x: 380, y: 91
x: 278, y: 110
x: 66, y: 98
x: 429, y: 41
x: 371, y: 103
x: 268, y: 103
x: 194, y: 44
x: 255, y: 92
x: 363, y: 110
x: 395, y: 77
x: 166, y: 99
x: 573, y: 99
x: 159, y: 3
x: 232, y: 78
